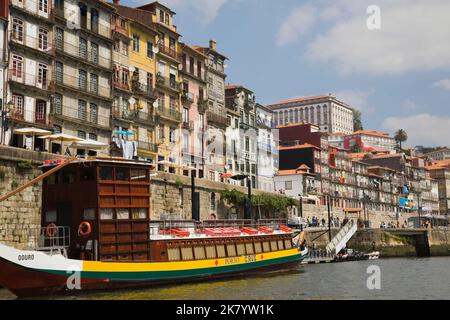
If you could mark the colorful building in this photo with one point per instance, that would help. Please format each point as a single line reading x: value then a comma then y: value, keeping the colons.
x: 369, y: 140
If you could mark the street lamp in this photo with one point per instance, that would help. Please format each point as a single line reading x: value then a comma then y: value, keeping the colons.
x: 248, y: 206
x: 194, y: 201
x: 365, y: 199
x: 4, y: 113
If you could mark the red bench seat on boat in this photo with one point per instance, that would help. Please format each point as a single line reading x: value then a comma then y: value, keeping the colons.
x: 266, y: 230
x: 285, y: 228
x: 249, y: 230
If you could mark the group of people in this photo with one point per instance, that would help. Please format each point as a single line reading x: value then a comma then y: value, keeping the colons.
x: 334, y: 221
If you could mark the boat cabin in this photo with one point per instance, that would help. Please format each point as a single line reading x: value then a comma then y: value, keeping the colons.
x: 100, y: 207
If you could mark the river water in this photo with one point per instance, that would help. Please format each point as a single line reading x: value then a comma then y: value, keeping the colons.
x: 400, y: 278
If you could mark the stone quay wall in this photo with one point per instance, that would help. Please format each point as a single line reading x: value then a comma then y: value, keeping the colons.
x: 20, y: 215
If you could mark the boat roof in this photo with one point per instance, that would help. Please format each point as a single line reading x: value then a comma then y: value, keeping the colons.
x: 109, y: 160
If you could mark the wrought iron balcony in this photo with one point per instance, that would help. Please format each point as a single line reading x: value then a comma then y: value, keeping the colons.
x: 143, y: 89
x: 170, y: 83
x: 170, y: 114
x: 168, y: 51
x: 217, y: 118
x: 187, y: 97
x: 148, y: 146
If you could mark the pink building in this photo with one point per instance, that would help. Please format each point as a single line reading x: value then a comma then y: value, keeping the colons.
x: 194, y: 104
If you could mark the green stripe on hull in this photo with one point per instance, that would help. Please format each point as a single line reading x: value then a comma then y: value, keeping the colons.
x: 178, y: 274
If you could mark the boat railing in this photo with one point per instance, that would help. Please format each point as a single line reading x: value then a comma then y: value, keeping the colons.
x: 165, y: 227
x: 48, y: 238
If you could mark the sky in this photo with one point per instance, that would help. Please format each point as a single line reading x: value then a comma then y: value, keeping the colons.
x: 391, y: 62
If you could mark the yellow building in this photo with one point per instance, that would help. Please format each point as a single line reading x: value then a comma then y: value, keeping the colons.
x: 139, y: 81
x: 154, y: 53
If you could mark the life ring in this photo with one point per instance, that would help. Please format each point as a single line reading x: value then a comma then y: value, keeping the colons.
x: 51, y: 230
x: 84, y: 229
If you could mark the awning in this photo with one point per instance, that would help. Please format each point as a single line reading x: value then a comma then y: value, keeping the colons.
x: 350, y: 210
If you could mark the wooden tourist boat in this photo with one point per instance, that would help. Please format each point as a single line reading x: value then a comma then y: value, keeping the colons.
x: 97, y: 234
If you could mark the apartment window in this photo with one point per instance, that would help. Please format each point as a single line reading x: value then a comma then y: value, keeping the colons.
x: 161, y: 16
x: 40, y: 111
x: 17, y: 66
x: 288, y: 185
x: 59, y: 38
x: 213, y: 199
x: 247, y: 144
x: 149, y: 81
x: 94, y: 52
x: 83, y: 15
x: 191, y: 65
x: 135, y: 43
x: 93, y: 113
x: 43, y: 6
x: 94, y: 83
x: 150, y: 49
x: 81, y: 134
x: 58, y: 102
x: 171, y: 43
x: 200, y: 121
x: 94, y: 20
x: 83, y: 48
x: 43, y: 39
x: 172, y: 104
x: 59, y: 71
x: 93, y: 136
x: 199, y: 69
x: 42, y: 75
x: 17, y: 30
x: 82, y: 80
x: 185, y: 142
x: 18, y: 105
x: 167, y: 19
x: 161, y: 134
x: 124, y: 77
x: 57, y: 129
x: 82, y: 110
x: 185, y: 115
x: 172, y: 138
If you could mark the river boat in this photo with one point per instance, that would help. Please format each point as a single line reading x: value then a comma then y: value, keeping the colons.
x: 96, y: 234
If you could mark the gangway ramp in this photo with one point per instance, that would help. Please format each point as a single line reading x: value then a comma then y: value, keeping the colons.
x: 342, y: 237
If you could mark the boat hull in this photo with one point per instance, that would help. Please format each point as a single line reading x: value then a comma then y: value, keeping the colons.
x: 28, y: 280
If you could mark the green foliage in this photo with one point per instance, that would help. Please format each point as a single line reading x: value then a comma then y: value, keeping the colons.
x: 357, y: 120
x: 14, y: 184
x: 179, y: 184
x: 401, y: 136
x: 356, y: 148
x: 273, y: 202
x: 26, y: 165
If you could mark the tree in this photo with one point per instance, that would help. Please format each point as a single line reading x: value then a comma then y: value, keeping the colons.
x: 356, y: 148
x: 357, y: 121
x: 400, y: 137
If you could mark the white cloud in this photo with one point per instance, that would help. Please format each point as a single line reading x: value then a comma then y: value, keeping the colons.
x: 409, y: 105
x: 208, y: 9
x: 357, y: 99
x: 297, y: 23
x: 422, y: 129
x: 413, y: 37
x: 444, y: 84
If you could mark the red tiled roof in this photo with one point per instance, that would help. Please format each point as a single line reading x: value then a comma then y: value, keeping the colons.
x: 299, y: 146
x: 372, y: 133
x: 290, y: 172
x: 301, y: 99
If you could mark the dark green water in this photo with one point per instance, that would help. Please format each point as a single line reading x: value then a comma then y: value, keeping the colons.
x: 414, y: 278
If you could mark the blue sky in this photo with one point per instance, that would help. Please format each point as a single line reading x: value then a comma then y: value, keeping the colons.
x: 398, y: 75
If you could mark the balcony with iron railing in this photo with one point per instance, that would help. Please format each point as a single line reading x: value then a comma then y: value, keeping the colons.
x: 169, y: 83
x: 119, y: 84
x: 117, y: 27
x: 41, y: 82
x: 188, y: 125
x: 91, y: 56
x: 82, y: 115
x: 187, y: 97
x: 169, y: 114
x: 168, y: 51
x: 41, y: 44
x: 245, y: 126
x: 148, y: 146
x: 143, y: 89
x: 83, y: 85
x: 33, y: 7
x: 217, y: 118
x: 202, y: 105
x: 30, y: 116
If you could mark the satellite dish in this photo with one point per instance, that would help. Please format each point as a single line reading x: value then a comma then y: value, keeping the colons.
x: 131, y: 69
x: 155, y: 49
x: 132, y: 101
x: 155, y: 104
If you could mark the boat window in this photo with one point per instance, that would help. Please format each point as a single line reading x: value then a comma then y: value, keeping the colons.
x: 231, y: 250
x: 220, y: 251
x: 52, y: 179
x: 273, y: 245
x: 186, y: 253
x: 68, y: 176
x: 249, y: 248
x: 174, y: 254
x: 106, y: 214
x: 258, y: 247
x: 138, y: 175
x: 240, y: 249
x: 106, y: 173
x: 122, y: 174
x: 199, y: 253
x: 288, y: 244
x: 50, y: 216
x: 210, y: 252
x: 139, y: 213
x: 266, y: 246
x: 89, y: 214
x: 87, y: 174
x: 123, y: 213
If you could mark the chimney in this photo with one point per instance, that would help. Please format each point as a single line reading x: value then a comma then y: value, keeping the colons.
x: 213, y: 44
x: 116, y: 1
